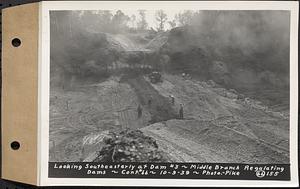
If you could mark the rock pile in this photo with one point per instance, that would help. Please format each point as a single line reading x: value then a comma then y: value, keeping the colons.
x: 130, y: 146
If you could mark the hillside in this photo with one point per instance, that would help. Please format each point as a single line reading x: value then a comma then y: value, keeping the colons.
x: 246, y: 72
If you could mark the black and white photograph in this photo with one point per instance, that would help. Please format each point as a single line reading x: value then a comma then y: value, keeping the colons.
x: 163, y: 86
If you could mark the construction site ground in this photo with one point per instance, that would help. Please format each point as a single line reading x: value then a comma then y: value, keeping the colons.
x: 218, y: 126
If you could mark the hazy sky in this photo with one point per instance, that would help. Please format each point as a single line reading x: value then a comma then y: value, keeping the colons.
x: 150, y: 16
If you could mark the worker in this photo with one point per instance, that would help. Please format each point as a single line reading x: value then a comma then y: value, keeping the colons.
x: 181, y: 111
x: 67, y: 104
x: 139, y: 111
x: 172, y: 99
x: 149, y: 102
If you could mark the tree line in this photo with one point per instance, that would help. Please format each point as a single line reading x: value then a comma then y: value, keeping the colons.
x: 114, y: 22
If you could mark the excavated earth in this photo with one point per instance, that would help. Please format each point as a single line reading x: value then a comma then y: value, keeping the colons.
x: 218, y: 125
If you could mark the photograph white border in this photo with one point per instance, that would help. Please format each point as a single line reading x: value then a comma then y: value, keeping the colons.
x: 44, y: 84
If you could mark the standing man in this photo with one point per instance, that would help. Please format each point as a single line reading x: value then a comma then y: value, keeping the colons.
x: 172, y: 99
x: 67, y: 104
x: 139, y: 111
x: 181, y: 111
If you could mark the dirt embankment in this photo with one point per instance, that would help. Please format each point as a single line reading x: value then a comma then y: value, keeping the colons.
x: 219, y: 127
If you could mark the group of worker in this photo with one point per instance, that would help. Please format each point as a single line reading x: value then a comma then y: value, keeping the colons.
x: 172, y: 99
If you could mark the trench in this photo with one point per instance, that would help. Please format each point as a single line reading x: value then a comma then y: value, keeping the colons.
x: 160, y: 107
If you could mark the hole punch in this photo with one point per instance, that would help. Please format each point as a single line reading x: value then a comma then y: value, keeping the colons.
x: 15, y: 145
x: 16, y: 42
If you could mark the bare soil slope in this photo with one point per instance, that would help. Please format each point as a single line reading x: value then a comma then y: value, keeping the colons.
x: 87, y: 111
x: 218, y: 127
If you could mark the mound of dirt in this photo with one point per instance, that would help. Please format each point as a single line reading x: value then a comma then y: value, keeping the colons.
x: 130, y: 146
